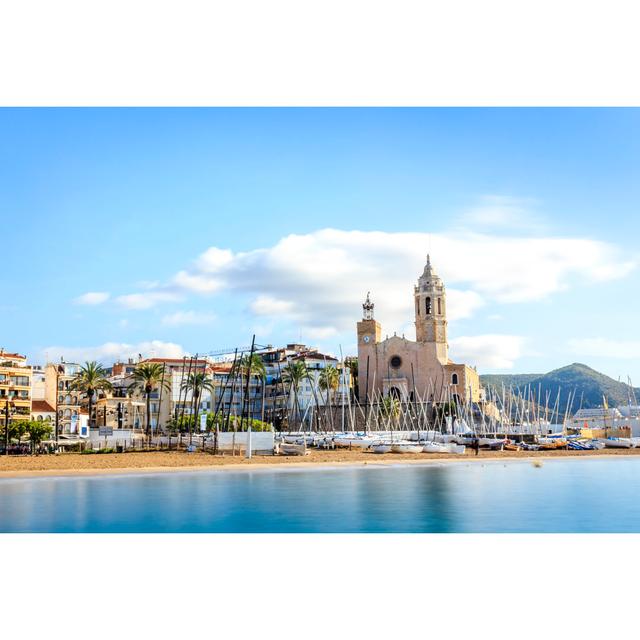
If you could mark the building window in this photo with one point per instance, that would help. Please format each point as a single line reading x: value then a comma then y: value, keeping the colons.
x: 427, y: 305
x: 454, y: 378
x: 439, y: 306
x: 395, y: 361
x: 67, y: 400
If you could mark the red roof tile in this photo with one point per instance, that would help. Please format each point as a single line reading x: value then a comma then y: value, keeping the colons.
x: 41, y: 406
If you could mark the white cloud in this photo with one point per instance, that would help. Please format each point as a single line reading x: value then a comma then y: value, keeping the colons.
x: 500, y: 213
x: 147, y: 299
x: 112, y: 351
x: 93, y: 298
x: 606, y: 348
x: 269, y: 306
x: 491, y: 351
x: 318, y: 281
x: 181, y: 318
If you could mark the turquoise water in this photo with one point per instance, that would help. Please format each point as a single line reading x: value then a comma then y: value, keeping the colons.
x: 595, y: 495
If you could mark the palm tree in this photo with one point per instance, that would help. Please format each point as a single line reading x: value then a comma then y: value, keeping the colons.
x: 257, y: 366
x: 197, y: 382
x: 293, y: 374
x: 253, y: 364
x: 329, y: 380
x: 147, y: 377
x: 92, y: 377
x: 352, y: 364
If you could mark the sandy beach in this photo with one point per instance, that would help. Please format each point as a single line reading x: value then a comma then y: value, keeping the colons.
x: 160, y: 461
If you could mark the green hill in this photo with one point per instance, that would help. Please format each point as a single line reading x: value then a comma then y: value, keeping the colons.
x: 588, y: 385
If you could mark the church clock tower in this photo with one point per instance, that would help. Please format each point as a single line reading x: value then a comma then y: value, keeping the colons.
x: 431, y: 311
x: 369, y: 334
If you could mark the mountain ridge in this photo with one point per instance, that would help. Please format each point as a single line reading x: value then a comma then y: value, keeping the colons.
x: 588, y: 385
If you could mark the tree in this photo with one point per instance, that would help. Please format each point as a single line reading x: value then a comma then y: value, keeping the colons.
x: 92, y: 377
x: 17, y: 429
x: 252, y: 364
x: 197, y: 382
x: 352, y: 364
x: 257, y: 366
x: 293, y: 374
x: 329, y: 380
x: 38, y: 431
x: 147, y: 377
x: 390, y: 408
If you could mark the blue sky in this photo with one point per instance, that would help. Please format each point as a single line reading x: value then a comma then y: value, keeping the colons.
x: 531, y: 216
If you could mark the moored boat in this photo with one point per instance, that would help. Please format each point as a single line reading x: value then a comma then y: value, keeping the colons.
x: 435, y: 447
x: 406, y: 447
x: 617, y: 443
x: 381, y: 448
x: 458, y: 449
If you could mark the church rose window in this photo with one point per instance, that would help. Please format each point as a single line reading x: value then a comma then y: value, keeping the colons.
x: 395, y: 361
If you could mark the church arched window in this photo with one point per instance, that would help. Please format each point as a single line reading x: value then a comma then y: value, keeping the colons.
x: 427, y: 305
x: 439, y: 306
x: 454, y: 378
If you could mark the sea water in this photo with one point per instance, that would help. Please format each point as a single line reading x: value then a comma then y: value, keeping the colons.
x: 588, y: 495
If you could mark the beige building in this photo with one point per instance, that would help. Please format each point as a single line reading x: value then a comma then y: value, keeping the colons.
x: 58, y: 377
x: 15, y: 386
x: 419, y: 370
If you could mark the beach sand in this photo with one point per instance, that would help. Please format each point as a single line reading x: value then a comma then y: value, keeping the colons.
x: 157, y: 461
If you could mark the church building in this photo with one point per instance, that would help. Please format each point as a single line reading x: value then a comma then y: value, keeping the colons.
x: 419, y: 370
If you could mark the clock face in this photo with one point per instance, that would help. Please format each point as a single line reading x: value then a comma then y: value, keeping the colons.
x: 367, y: 338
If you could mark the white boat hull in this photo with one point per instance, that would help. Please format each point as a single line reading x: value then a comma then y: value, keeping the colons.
x: 381, y: 448
x: 620, y: 443
x: 353, y: 443
x: 435, y: 447
x: 406, y: 447
x: 289, y: 449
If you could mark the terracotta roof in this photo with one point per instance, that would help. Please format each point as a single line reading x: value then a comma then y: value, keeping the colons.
x: 41, y: 406
x: 4, y: 354
x: 221, y: 366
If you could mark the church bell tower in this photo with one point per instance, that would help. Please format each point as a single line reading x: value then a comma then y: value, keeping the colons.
x: 369, y: 334
x: 431, y: 311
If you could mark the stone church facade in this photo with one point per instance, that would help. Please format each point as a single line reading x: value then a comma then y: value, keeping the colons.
x: 411, y: 370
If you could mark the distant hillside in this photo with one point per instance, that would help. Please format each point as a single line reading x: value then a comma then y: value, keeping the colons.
x: 589, y: 384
